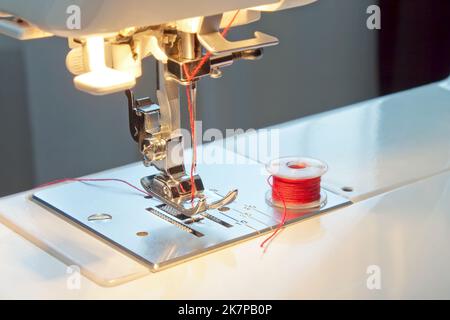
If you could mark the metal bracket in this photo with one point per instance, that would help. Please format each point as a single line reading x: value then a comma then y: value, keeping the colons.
x: 211, y: 38
x: 144, y: 116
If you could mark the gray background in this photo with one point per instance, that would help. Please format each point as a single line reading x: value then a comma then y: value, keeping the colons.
x: 327, y: 58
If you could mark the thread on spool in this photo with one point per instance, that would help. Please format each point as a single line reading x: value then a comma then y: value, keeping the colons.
x: 296, y: 185
x: 296, y: 192
x: 296, y: 182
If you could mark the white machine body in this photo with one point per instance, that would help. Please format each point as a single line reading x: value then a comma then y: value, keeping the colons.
x: 100, y: 16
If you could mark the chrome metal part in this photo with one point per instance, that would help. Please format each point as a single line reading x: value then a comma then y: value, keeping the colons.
x: 177, y: 193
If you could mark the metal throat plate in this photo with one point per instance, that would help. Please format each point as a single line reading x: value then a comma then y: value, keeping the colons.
x: 156, y: 234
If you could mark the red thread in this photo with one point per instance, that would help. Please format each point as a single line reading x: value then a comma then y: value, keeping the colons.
x: 283, y: 217
x: 296, y: 191
x: 190, y: 77
x: 193, y: 139
x: 288, y: 191
x: 93, y: 180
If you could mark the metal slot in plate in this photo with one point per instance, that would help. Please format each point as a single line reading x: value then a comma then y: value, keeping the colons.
x: 172, y: 211
x: 177, y: 224
x: 177, y: 214
x: 217, y: 220
x: 143, y: 228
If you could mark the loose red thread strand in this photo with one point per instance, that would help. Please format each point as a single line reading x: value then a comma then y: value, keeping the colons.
x: 193, y: 141
x: 190, y: 77
x: 93, y: 180
x: 283, y: 217
x: 292, y: 192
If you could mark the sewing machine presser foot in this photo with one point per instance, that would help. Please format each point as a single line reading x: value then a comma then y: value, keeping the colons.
x: 177, y: 194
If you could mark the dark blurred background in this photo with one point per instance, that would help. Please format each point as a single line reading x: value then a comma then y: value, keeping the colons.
x: 414, y: 43
x: 327, y: 58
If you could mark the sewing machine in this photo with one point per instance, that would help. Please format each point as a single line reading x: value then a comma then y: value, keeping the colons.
x: 183, y: 217
x: 114, y: 235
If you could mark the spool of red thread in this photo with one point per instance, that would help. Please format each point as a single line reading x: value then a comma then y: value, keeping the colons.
x: 296, y: 183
